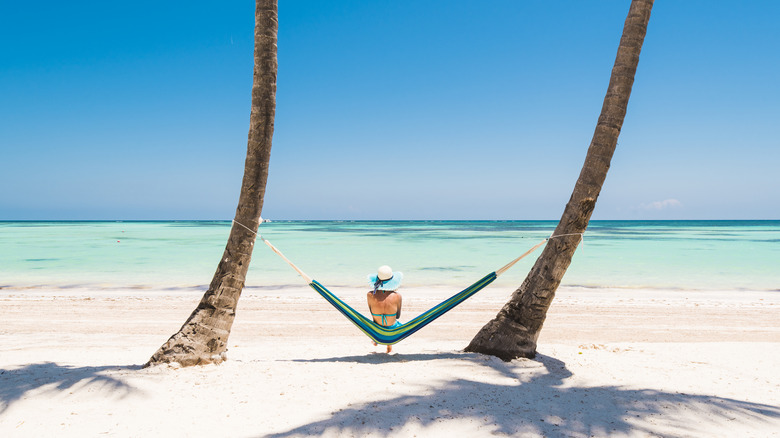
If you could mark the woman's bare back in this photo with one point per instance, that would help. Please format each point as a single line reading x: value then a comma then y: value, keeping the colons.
x: 385, y: 306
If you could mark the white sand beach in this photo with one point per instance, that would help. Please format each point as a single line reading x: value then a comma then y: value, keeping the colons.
x: 611, y: 363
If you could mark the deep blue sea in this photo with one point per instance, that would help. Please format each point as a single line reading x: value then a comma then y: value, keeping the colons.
x: 698, y: 255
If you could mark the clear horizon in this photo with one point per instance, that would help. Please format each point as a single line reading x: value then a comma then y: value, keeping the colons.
x: 385, y: 111
x: 553, y: 221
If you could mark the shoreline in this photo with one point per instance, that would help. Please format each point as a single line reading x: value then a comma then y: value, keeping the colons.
x: 575, y: 315
x: 297, y: 287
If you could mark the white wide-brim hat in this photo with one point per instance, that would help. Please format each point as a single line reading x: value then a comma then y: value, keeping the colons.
x: 389, y: 280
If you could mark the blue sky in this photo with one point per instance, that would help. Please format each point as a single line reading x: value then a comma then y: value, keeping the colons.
x: 386, y: 110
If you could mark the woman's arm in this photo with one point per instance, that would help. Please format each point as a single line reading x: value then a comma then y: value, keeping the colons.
x: 400, y: 300
x: 368, y: 300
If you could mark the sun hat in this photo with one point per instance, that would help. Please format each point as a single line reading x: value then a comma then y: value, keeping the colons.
x: 385, y: 279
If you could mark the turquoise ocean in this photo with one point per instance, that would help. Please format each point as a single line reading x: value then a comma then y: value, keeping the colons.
x: 684, y: 255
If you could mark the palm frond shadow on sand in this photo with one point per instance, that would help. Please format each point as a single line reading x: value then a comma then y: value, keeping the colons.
x: 16, y: 382
x: 538, y: 402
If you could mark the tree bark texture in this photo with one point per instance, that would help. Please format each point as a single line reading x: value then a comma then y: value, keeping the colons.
x: 203, y: 337
x: 515, y: 329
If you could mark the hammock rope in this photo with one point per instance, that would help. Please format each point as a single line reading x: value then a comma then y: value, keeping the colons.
x: 387, y: 335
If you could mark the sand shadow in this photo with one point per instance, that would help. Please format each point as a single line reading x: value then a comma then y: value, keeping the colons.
x: 378, y: 358
x: 537, y: 402
x: 17, y: 382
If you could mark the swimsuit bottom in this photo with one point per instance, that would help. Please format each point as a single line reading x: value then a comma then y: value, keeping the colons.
x: 396, y: 324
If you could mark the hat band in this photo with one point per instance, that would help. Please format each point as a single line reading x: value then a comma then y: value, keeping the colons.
x: 380, y: 282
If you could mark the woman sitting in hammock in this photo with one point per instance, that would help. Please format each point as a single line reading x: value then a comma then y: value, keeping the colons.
x: 383, y: 301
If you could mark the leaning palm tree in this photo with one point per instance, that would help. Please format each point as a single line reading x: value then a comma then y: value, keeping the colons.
x: 203, y: 337
x: 514, y: 331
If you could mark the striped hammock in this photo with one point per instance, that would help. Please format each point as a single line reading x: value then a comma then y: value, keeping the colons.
x: 387, y: 335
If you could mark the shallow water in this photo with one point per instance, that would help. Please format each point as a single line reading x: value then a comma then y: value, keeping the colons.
x: 722, y: 255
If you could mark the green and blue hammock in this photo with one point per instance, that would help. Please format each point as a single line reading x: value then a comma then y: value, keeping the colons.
x: 391, y: 335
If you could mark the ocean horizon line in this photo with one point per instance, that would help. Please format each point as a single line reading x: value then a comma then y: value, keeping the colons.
x: 374, y: 220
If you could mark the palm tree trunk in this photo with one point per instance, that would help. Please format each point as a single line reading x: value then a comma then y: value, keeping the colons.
x: 203, y: 337
x: 514, y: 331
